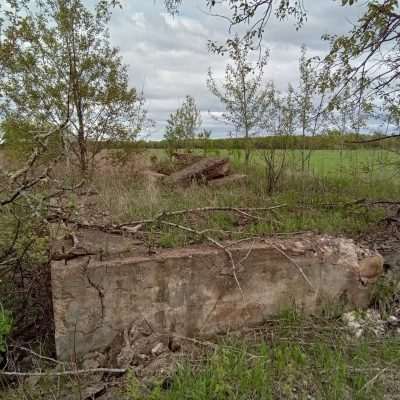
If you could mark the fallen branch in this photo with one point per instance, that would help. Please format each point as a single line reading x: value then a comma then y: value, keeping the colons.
x: 166, y: 214
x: 135, y: 226
x: 66, y: 373
x: 37, y: 355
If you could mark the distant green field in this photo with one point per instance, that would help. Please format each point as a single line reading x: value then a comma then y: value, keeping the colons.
x: 324, y: 163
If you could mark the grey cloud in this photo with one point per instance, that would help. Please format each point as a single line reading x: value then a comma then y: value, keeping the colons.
x: 168, y: 57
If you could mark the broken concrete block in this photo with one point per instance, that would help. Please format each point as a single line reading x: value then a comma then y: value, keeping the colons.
x: 203, y: 170
x: 193, y: 291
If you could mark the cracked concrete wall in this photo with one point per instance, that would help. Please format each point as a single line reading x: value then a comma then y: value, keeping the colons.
x: 192, y: 291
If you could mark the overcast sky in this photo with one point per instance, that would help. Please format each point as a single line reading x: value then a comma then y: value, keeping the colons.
x: 168, y: 56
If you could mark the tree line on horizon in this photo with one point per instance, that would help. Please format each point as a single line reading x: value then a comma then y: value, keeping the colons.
x: 60, y: 73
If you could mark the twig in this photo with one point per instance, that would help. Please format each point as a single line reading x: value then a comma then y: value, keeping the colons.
x: 245, y: 214
x: 66, y: 373
x: 295, y: 264
x: 215, y: 346
x: 204, y: 343
x: 37, y: 354
x: 65, y: 189
x: 165, y: 214
x: 371, y: 381
x: 138, y: 225
x: 215, y: 243
x: 248, y: 239
x: 24, y: 187
x: 248, y: 253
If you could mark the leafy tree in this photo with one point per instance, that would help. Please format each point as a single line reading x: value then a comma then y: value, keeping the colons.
x: 391, y: 116
x: 57, y: 63
x: 289, y: 112
x: 182, y: 125
x: 244, y: 12
x: 368, y: 54
x: 242, y: 92
x: 205, y: 136
x: 272, y: 118
x: 305, y: 102
x: 279, y: 120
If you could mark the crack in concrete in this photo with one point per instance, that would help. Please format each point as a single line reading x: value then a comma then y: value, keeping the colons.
x: 95, y: 286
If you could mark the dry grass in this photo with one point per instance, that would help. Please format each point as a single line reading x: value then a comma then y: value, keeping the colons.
x: 125, y: 195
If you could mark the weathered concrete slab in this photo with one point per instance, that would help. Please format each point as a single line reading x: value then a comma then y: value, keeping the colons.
x: 192, y: 291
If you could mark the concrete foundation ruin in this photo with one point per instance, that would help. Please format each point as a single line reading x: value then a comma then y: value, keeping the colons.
x: 110, y: 283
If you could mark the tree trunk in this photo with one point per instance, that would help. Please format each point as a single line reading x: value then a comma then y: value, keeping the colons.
x: 83, y: 159
x: 247, y: 154
x: 82, y: 152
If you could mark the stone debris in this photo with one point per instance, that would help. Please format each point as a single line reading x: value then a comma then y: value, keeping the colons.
x: 94, y: 360
x: 361, y: 323
x: 158, y: 349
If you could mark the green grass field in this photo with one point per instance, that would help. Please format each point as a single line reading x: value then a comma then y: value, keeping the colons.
x: 329, y: 162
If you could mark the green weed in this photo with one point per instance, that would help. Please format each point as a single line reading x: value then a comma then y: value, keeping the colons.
x: 297, y: 357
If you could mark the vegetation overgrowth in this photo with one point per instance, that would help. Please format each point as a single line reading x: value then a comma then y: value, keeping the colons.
x: 69, y: 128
x: 319, y: 199
x: 293, y: 357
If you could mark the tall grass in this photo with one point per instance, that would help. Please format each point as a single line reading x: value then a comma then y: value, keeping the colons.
x: 314, y: 200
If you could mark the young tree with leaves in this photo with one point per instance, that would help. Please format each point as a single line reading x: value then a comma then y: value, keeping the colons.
x: 57, y: 62
x: 242, y: 93
x: 289, y: 112
x: 305, y: 102
x: 368, y: 54
x: 279, y: 122
x: 183, y: 125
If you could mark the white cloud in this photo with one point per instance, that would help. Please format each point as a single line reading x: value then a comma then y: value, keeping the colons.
x: 139, y: 20
x: 168, y: 56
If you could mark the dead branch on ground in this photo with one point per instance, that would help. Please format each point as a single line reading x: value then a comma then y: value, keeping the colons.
x: 66, y: 373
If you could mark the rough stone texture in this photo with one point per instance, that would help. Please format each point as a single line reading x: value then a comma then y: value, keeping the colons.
x: 192, y: 291
x: 88, y: 242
